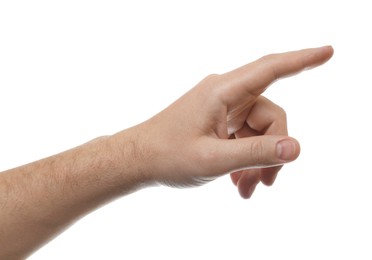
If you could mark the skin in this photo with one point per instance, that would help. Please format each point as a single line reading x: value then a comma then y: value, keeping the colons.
x: 221, y: 126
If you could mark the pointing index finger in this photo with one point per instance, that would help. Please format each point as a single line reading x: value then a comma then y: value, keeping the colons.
x: 255, y: 77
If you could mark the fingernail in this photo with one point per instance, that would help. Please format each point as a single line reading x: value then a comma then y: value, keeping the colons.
x: 286, y: 150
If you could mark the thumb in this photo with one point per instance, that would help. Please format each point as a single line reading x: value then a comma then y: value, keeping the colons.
x: 256, y: 152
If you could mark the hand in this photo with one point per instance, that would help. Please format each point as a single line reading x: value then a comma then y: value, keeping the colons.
x: 221, y: 126
x: 224, y: 125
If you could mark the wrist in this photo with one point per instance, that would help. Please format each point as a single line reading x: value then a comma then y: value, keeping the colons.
x: 129, y: 158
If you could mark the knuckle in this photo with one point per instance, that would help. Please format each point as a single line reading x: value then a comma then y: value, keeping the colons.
x: 282, y: 116
x: 212, y: 78
x: 269, y: 57
x: 269, y: 60
x: 257, y: 153
x: 282, y: 113
x: 213, y: 84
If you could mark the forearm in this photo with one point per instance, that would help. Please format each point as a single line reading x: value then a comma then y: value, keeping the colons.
x: 39, y: 200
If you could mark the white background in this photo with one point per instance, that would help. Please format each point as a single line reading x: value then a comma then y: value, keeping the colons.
x: 73, y: 70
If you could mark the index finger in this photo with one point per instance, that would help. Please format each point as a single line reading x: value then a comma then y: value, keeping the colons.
x: 255, y: 77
